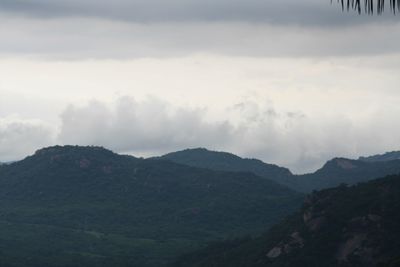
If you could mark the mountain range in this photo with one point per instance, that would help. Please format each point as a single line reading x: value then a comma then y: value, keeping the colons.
x: 88, y: 206
x: 394, y: 155
x: 333, y: 173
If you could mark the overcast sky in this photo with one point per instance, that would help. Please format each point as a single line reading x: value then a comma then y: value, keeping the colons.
x: 289, y: 82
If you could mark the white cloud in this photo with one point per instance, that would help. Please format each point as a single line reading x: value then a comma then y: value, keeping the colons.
x: 331, y: 79
x: 148, y: 127
x: 18, y: 137
x: 302, y: 142
x: 294, y: 112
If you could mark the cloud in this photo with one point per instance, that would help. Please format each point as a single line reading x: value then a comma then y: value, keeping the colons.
x: 18, y: 137
x: 320, y: 60
x: 305, y: 12
x: 156, y: 28
x: 81, y: 38
x: 148, y: 127
x: 252, y: 128
x: 302, y: 142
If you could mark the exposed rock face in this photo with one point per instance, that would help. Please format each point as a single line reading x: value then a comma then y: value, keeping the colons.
x: 345, y: 164
x: 313, y: 216
x: 360, y: 239
x: 294, y: 241
x: 350, y: 246
x: 346, y: 226
x: 274, y: 253
x: 362, y: 234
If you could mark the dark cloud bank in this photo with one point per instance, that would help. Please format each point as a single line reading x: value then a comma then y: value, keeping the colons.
x: 307, y: 12
x: 122, y: 29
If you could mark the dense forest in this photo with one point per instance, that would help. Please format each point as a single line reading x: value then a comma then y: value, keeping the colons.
x: 343, y: 226
x: 87, y: 206
x: 333, y: 173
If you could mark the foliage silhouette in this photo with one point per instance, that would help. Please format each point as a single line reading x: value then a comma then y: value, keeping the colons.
x: 369, y: 6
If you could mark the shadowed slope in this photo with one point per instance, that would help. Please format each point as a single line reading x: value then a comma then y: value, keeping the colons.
x: 344, y: 226
x: 98, y: 208
x: 333, y: 173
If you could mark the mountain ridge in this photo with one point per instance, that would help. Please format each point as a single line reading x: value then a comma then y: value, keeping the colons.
x: 393, y: 155
x: 332, y: 173
x: 117, y: 210
x: 228, y: 159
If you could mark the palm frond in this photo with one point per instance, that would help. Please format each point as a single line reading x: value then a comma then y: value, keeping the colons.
x: 370, y: 6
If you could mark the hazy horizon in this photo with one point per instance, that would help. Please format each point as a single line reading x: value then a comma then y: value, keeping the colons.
x: 293, y: 83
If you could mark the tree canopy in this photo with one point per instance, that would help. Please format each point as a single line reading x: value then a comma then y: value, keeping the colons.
x: 370, y: 6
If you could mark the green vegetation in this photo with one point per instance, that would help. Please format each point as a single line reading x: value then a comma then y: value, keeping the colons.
x: 344, y: 226
x: 394, y: 155
x: 333, y: 173
x: 222, y: 161
x: 345, y: 171
x: 86, y: 206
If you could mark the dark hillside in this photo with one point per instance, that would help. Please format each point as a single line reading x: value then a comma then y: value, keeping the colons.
x: 87, y: 206
x: 343, y: 226
x: 394, y: 155
x: 203, y: 158
x: 333, y: 173
x: 341, y: 170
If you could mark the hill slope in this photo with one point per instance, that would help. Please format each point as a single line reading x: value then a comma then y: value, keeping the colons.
x: 203, y: 158
x: 347, y: 171
x: 86, y: 206
x: 344, y: 226
x: 394, y: 155
x: 333, y: 173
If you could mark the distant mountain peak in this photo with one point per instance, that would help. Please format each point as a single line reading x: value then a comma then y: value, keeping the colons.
x: 70, y: 148
x: 394, y: 155
x: 201, y: 151
x: 80, y: 157
x: 224, y: 161
x: 343, y: 163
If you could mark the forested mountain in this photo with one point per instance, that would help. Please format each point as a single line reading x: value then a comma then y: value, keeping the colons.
x: 87, y: 206
x: 347, y: 171
x: 394, y: 155
x: 223, y: 161
x: 343, y: 226
x: 333, y: 173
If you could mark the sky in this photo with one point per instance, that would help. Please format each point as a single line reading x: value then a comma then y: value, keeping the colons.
x: 290, y: 82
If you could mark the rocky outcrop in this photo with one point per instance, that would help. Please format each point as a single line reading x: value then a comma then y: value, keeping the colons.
x: 294, y: 241
x: 313, y: 214
x: 345, y: 164
x: 362, y: 237
x: 359, y: 239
